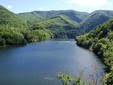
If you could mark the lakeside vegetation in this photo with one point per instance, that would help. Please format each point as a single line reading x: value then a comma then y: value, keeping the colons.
x: 100, y: 41
x: 14, y: 31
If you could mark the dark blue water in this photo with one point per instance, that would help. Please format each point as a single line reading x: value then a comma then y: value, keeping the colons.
x: 39, y: 63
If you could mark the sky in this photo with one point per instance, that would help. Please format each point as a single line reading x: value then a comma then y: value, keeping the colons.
x: 19, y: 6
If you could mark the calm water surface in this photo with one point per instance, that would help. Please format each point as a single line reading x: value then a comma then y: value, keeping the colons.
x: 39, y: 63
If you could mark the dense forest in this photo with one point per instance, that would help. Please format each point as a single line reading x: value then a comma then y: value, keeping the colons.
x: 22, y: 28
x: 100, y: 41
x: 95, y: 18
x: 60, y: 26
x: 80, y: 22
x: 14, y: 31
x: 36, y: 16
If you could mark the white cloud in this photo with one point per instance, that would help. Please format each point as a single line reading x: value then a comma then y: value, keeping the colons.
x: 89, y: 3
x: 9, y: 6
x: 40, y: 9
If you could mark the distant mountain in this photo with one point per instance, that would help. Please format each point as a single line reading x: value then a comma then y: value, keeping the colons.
x: 36, y: 16
x: 96, y: 18
x: 61, y: 26
x: 85, y: 21
x: 100, y: 41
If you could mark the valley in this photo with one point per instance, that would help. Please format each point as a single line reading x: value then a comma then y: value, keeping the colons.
x: 28, y: 40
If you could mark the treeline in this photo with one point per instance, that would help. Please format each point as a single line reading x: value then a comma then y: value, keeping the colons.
x: 100, y: 41
x: 14, y: 36
x: 14, y: 31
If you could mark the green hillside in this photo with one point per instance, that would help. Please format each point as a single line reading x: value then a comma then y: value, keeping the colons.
x: 36, y: 16
x: 14, y: 31
x: 61, y: 26
x: 82, y: 20
x: 11, y: 28
x: 9, y: 18
x: 100, y: 41
x: 30, y: 18
x: 96, y: 18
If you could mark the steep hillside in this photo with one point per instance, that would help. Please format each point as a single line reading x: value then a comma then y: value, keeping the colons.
x: 11, y: 28
x: 60, y: 26
x: 96, y: 18
x: 9, y: 18
x: 14, y: 31
x: 100, y: 41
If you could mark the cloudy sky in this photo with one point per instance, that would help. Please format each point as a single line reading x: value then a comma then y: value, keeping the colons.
x: 18, y: 6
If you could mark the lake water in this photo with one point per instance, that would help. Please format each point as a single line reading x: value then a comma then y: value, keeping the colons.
x: 39, y: 63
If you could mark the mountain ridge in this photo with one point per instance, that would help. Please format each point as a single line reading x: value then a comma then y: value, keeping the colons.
x: 86, y: 21
x: 61, y: 24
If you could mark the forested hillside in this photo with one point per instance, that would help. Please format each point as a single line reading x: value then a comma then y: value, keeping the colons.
x: 28, y: 27
x: 14, y: 31
x: 100, y: 41
x: 82, y: 20
x: 60, y: 26
x: 9, y: 18
x: 36, y: 16
x: 96, y: 18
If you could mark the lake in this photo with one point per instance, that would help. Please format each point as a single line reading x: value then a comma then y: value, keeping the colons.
x: 39, y: 63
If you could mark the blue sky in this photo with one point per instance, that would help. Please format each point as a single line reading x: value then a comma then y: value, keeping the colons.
x: 18, y: 6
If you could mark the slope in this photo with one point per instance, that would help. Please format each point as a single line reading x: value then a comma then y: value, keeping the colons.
x: 60, y: 26
x: 9, y: 18
x: 100, y: 41
x: 11, y: 28
x: 96, y: 18
x: 85, y: 21
x: 14, y: 31
x: 36, y: 16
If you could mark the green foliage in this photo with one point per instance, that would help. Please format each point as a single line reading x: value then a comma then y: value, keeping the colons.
x: 30, y: 18
x: 11, y: 19
x: 110, y: 36
x: 37, y: 35
x: 101, y: 39
x: 43, y: 15
x: 14, y: 31
x: 93, y: 78
x: 60, y: 26
x: 66, y: 23
x: 66, y: 79
x: 83, y: 41
x: 96, y: 18
x: 11, y: 36
x: 62, y: 23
